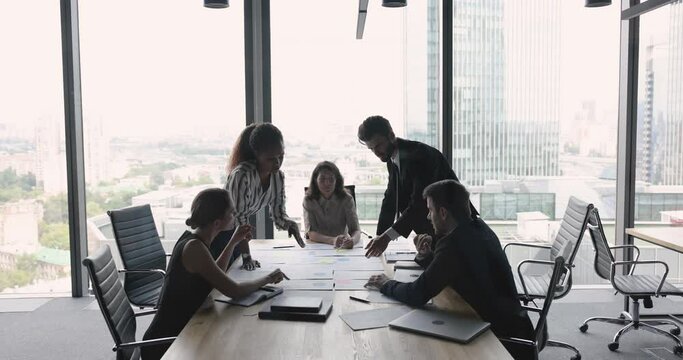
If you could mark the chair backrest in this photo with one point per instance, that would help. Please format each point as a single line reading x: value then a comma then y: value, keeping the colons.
x: 113, y: 301
x: 139, y: 246
x: 539, y: 331
x: 603, y: 255
x: 572, y: 228
x: 351, y: 189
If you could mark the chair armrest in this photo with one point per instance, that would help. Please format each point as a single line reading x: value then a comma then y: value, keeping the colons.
x: 620, y: 263
x: 518, y: 341
x: 541, y: 262
x: 145, y: 312
x: 538, y: 246
x: 531, y: 308
x: 626, y: 247
x: 135, y: 344
x: 144, y: 271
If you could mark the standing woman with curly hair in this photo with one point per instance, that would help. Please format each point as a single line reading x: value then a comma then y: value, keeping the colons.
x: 256, y: 181
x: 329, y: 211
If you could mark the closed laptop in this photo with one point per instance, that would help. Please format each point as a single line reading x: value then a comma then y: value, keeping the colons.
x: 441, y: 324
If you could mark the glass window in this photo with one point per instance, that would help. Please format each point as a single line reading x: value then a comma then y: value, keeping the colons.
x: 535, y: 112
x: 163, y: 102
x: 659, y: 176
x: 34, y: 230
x: 325, y: 82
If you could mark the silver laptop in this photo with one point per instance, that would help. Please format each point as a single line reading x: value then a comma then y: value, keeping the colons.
x: 441, y: 324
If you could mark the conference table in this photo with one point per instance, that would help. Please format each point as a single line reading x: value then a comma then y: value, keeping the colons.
x: 221, y: 330
x: 670, y: 237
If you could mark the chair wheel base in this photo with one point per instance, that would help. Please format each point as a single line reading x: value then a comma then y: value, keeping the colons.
x: 576, y: 357
x: 678, y: 349
x: 583, y: 328
x: 675, y: 331
x: 613, y: 346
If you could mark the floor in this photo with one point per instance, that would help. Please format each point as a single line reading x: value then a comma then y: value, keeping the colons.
x: 73, y: 328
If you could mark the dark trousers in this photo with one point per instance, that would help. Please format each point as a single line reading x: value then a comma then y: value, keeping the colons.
x: 220, y: 242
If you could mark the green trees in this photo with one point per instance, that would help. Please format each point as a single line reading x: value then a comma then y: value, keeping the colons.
x: 23, y: 274
x: 55, y: 236
x: 15, y: 187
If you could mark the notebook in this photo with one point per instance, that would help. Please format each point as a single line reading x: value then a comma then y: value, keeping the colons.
x: 265, y: 292
x: 267, y: 313
x: 297, y: 304
x: 441, y: 324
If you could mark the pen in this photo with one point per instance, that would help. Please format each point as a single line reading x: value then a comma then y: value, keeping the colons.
x: 359, y: 299
x: 283, y: 247
x: 285, y: 276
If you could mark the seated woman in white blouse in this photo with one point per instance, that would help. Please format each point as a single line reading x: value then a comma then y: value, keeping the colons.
x: 329, y: 211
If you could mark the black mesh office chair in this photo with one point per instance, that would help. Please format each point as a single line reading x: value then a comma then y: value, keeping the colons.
x: 144, y: 259
x: 637, y: 287
x: 539, y: 342
x: 115, y: 306
x: 351, y: 189
x: 566, y: 245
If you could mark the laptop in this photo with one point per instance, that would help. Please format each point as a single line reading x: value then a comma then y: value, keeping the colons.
x: 441, y: 324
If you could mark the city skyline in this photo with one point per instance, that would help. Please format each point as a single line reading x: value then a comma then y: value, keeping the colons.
x: 538, y: 109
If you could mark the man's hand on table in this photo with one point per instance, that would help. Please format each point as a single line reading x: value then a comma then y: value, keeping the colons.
x: 377, y: 281
x: 377, y: 245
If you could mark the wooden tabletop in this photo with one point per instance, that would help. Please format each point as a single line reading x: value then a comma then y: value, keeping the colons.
x: 670, y: 237
x: 228, y: 331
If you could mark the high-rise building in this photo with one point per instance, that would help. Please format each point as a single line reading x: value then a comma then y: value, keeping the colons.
x: 432, y: 135
x: 506, y: 83
x: 478, y: 91
x: 51, y: 157
x: 645, y: 144
x: 532, y: 87
x: 97, y: 153
x: 672, y: 156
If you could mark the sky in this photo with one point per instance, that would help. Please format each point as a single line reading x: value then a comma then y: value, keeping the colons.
x: 177, y: 66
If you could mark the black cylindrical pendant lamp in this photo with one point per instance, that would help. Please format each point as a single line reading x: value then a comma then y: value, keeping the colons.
x: 394, y: 3
x: 216, y: 4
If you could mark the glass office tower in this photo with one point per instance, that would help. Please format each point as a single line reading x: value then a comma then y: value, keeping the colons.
x: 673, y: 148
x: 506, y: 81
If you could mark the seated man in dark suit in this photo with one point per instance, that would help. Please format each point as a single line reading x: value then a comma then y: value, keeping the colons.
x: 468, y: 258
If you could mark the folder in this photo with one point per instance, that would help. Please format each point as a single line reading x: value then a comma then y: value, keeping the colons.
x: 265, y: 292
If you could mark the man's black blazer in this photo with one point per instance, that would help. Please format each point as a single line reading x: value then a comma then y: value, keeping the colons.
x: 471, y: 261
x: 420, y: 166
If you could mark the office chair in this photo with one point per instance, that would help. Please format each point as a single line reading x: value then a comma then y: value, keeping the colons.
x: 539, y: 341
x: 144, y: 259
x: 566, y: 245
x: 637, y: 287
x: 351, y: 189
x: 115, y: 306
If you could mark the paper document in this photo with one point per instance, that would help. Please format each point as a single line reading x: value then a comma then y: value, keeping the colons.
x: 349, y: 284
x: 375, y: 318
x: 307, y: 284
x: 406, y: 275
